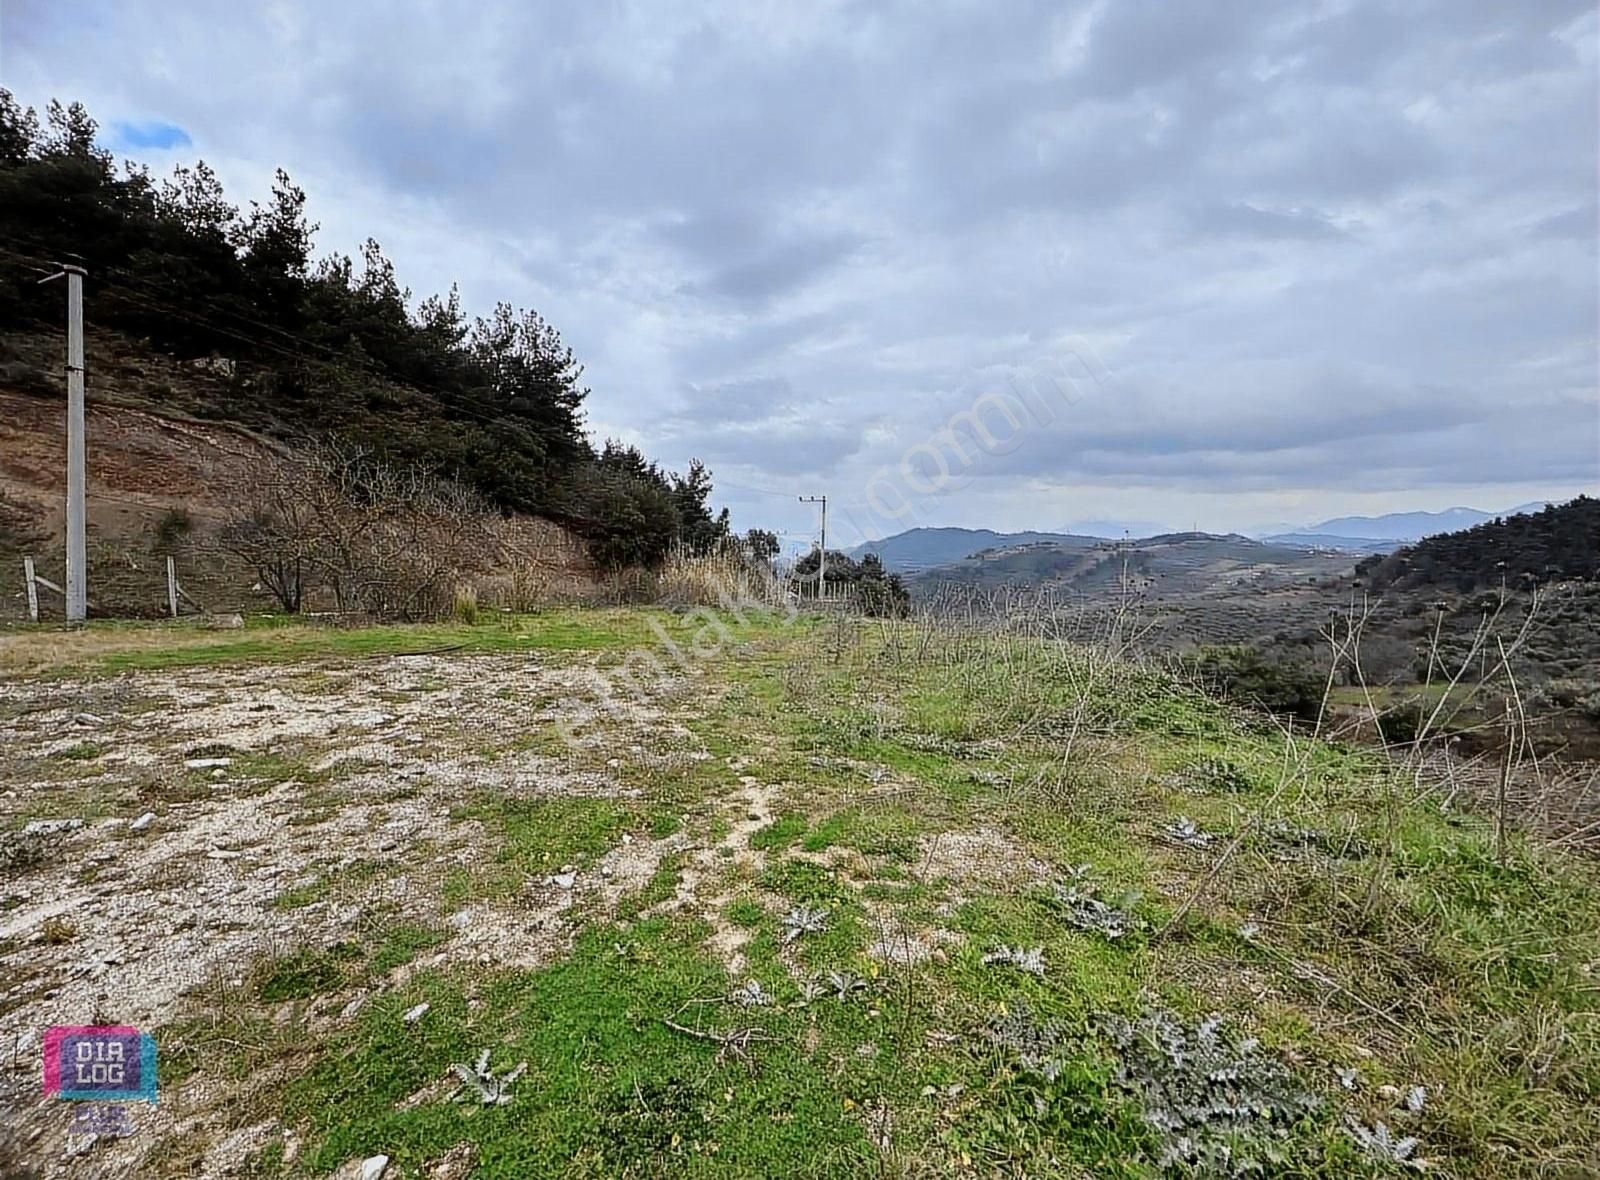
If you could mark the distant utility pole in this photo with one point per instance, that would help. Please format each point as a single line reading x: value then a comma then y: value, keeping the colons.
x: 822, y: 548
x: 77, y: 594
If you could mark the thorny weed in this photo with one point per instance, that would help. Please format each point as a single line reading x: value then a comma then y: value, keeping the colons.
x: 480, y: 1082
x: 1025, y: 959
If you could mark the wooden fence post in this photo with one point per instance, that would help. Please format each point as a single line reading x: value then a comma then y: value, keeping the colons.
x: 33, y: 591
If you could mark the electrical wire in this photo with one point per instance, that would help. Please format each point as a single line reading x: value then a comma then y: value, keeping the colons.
x: 145, y: 294
x: 122, y: 289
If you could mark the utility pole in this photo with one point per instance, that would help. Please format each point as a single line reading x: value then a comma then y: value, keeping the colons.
x: 77, y: 551
x: 822, y: 548
x: 77, y: 589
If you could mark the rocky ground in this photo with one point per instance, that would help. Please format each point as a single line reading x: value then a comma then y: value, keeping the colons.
x: 159, y: 820
x: 824, y: 900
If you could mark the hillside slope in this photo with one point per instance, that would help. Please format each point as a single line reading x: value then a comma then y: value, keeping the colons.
x: 307, y: 348
x: 1175, y: 564
x: 164, y: 475
x: 1334, y: 541
x: 155, y: 482
x: 141, y: 466
x: 923, y: 548
x: 1558, y: 543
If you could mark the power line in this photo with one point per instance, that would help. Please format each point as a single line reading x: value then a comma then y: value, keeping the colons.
x: 448, y: 400
x: 744, y: 487
x: 155, y: 302
x: 128, y: 286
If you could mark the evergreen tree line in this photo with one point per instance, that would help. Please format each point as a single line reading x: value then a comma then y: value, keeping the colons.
x: 1560, y: 543
x: 327, y: 347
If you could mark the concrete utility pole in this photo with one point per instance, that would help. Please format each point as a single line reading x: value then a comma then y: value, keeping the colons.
x: 77, y: 590
x: 822, y: 548
x: 77, y: 564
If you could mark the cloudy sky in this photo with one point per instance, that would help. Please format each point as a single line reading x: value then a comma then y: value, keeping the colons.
x: 1246, y: 263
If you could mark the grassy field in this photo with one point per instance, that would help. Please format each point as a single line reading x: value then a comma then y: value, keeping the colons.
x: 113, y: 646
x: 811, y: 898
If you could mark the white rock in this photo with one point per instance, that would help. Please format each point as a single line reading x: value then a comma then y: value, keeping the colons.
x: 374, y: 1168
x: 415, y: 1014
x: 352, y: 1007
x: 89, y: 719
x: 223, y: 854
x: 143, y: 822
x: 207, y: 763
x: 51, y: 827
x: 562, y: 880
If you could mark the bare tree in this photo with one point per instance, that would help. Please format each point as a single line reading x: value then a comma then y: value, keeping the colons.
x: 392, y: 542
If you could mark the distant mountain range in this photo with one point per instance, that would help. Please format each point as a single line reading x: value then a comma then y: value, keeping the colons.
x: 1115, y: 530
x: 927, y: 548
x: 1169, y: 564
x: 924, y: 548
x: 1402, y: 527
x: 1333, y: 541
x: 1542, y: 547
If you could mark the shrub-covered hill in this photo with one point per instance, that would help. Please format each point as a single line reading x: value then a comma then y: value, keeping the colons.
x: 298, y: 346
x: 1561, y: 543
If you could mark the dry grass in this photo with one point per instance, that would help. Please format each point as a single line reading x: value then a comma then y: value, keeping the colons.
x: 28, y: 650
x: 723, y: 578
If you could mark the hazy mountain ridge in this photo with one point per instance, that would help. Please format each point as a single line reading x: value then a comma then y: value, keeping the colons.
x: 1333, y: 541
x: 1412, y: 526
x: 1555, y: 544
x: 1171, y: 563
x: 925, y: 548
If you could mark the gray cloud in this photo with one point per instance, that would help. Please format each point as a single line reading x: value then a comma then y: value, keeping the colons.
x: 1337, y: 252
x: 1246, y: 221
x: 776, y: 269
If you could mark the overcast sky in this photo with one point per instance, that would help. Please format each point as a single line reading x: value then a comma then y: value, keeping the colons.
x: 1280, y: 261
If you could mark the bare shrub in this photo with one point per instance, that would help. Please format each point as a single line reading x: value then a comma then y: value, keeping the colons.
x: 392, y: 543
x: 629, y: 587
x: 408, y: 542
x: 277, y: 535
x: 533, y: 564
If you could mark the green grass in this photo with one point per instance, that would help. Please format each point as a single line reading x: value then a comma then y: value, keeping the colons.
x: 782, y: 832
x: 533, y: 838
x: 883, y: 830
x: 299, y: 896
x: 81, y: 752
x: 119, y: 646
x: 303, y: 974
x: 541, y: 835
x: 609, y: 1088
x: 1383, y: 935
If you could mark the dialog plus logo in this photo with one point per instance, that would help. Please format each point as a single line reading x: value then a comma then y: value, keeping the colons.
x: 99, y: 1063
